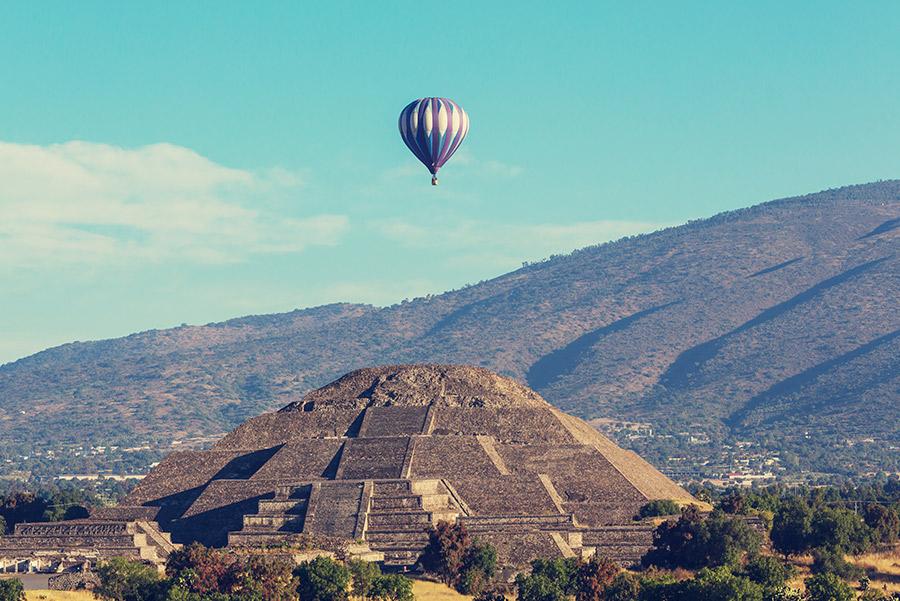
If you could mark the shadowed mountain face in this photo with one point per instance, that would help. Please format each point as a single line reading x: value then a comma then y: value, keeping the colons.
x: 776, y: 323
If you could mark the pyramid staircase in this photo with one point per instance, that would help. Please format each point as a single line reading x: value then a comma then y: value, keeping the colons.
x: 275, y: 518
x: 400, y: 514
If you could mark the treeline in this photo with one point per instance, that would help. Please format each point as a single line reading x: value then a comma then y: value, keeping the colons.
x: 48, y: 504
x: 719, y: 556
x: 61, y: 500
x: 197, y: 573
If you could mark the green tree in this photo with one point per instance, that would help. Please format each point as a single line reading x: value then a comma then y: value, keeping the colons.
x: 362, y: 575
x: 479, y: 566
x: 693, y: 542
x: 562, y: 571
x: 12, y: 590
x: 884, y: 521
x: 391, y: 587
x: 323, y: 579
x: 791, y: 527
x: 22, y: 506
x: 538, y: 587
x: 768, y: 571
x: 124, y: 580
x: 841, y: 530
x: 828, y: 587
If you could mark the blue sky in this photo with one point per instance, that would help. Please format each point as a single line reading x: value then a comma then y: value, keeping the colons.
x: 192, y: 162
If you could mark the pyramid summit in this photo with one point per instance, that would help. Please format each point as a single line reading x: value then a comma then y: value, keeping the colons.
x: 382, y: 454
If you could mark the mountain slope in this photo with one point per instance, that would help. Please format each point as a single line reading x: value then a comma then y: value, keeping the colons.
x: 777, y: 323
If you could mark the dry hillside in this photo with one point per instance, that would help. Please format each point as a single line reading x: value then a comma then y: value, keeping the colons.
x: 777, y: 323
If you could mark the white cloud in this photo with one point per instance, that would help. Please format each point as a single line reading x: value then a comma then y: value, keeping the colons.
x: 95, y: 203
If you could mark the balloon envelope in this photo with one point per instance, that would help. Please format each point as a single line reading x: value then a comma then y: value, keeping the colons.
x: 433, y: 128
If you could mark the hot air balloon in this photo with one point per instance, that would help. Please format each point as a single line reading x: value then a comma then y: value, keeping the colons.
x: 433, y: 128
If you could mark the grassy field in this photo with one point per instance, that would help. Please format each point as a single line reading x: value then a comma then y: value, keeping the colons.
x: 423, y: 589
x: 883, y: 570
x: 59, y: 596
x: 434, y: 591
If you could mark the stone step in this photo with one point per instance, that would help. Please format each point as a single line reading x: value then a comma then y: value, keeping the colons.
x: 398, y: 527
x: 290, y: 523
x: 522, y: 522
x: 437, y: 502
x: 449, y: 515
x: 421, y: 518
x: 397, y: 502
x: 427, y: 487
x: 401, y: 557
x: 255, y: 539
x: 391, y: 487
x: 275, y: 507
x: 410, y: 537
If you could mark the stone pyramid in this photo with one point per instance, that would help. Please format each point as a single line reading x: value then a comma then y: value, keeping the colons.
x: 383, y: 453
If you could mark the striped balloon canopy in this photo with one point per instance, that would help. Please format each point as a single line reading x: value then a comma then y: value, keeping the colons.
x: 433, y: 128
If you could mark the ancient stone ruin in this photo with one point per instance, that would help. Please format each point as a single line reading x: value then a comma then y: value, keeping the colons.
x: 377, y: 457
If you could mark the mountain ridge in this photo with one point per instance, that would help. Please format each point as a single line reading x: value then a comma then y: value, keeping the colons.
x: 613, y: 330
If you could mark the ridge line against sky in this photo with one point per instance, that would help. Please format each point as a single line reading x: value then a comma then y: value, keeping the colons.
x: 161, y: 165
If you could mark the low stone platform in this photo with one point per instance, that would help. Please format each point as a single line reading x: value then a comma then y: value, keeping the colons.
x: 61, y: 546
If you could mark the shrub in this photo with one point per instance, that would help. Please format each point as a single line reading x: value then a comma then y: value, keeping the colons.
x: 768, y: 571
x: 323, y: 579
x: 830, y: 561
x: 624, y: 587
x: 783, y: 593
x: 656, y: 586
x: 362, y: 575
x: 391, y: 587
x: 659, y: 507
x: 123, y: 580
x: 873, y: 595
x: 828, y: 587
x: 12, y: 590
x: 721, y: 584
x: 490, y: 595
